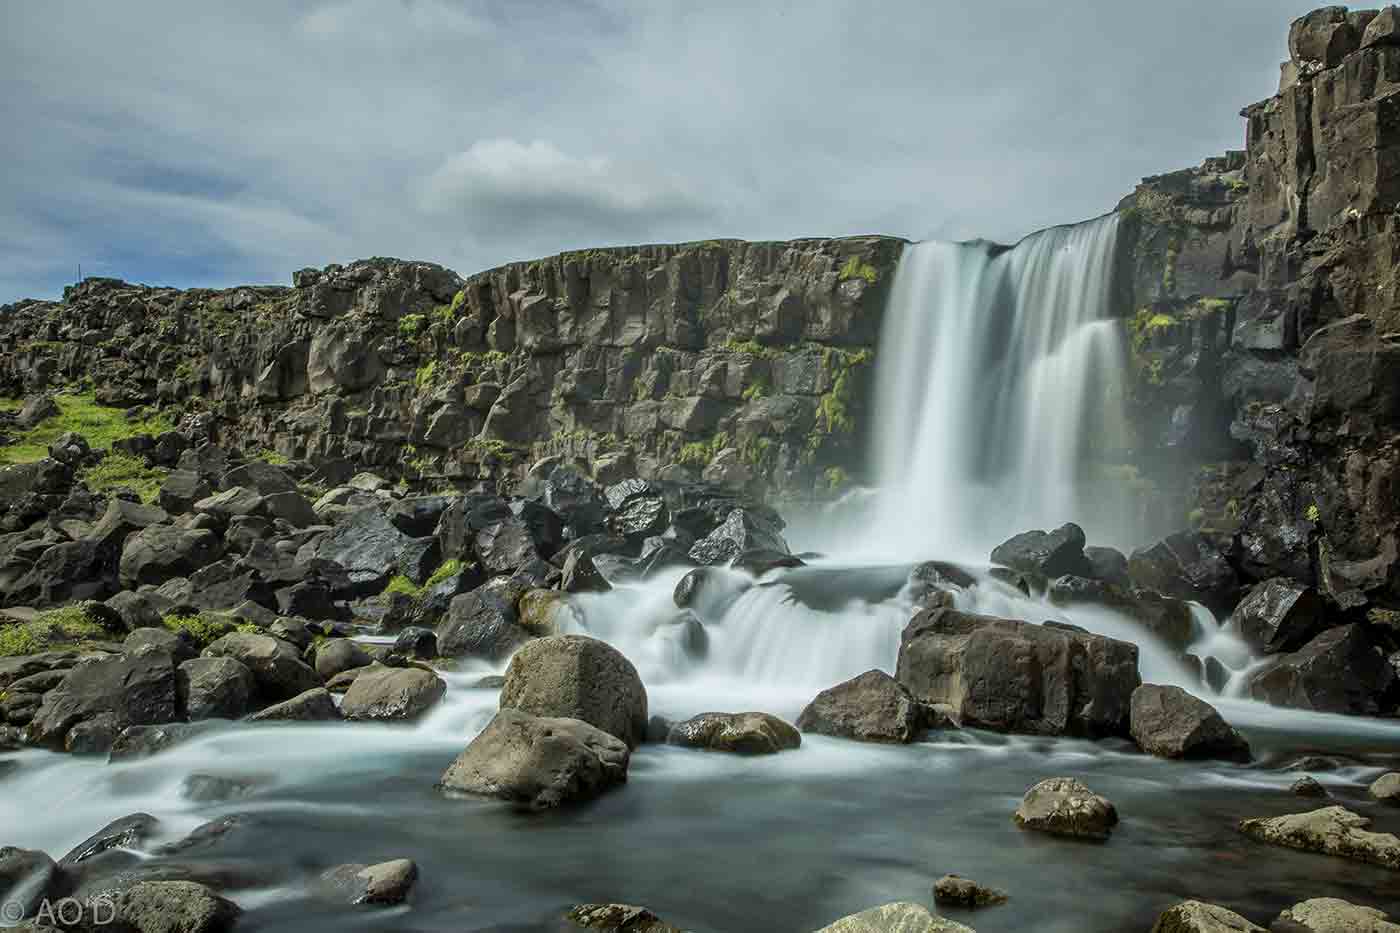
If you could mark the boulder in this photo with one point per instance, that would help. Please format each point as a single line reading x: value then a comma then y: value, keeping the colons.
x: 741, y: 733
x: 1279, y: 615
x: 1170, y: 723
x: 618, y: 918
x: 1323, y: 37
x: 115, y: 691
x: 742, y: 530
x: 392, y: 693
x: 581, y: 575
x: 538, y: 763
x: 315, y: 705
x: 175, y: 907
x: 1331, y: 831
x: 1107, y: 564
x: 27, y: 878
x: 1065, y: 807
x: 162, y: 552
x: 1050, y: 554
x: 506, y: 546
x: 365, y: 543
x: 1199, y: 917
x: 1187, y: 566
x: 260, y: 476
x: 1307, y: 786
x: 127, y: 832
x: 1333, y: 915
x: 1386, y: 787
x: 383, y: 885
x: 1170, y: 620
x: 899, y: 917
x: 182, y: 489
x: 37, y: 409
x: 1012, y: 676
x: 577, y: 677
x: 482, y: 623
x: 873, y: 707
x: 275, y: 664
x: 135, y: 742
x: 415, y: 642
x: 1339, y: 671
x: 215, y: 688
x: 337, y: 655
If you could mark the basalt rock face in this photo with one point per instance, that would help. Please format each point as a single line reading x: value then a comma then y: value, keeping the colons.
x: 746, y: 361
x: 1263, y: 328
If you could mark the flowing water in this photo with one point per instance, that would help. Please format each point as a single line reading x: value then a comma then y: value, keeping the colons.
x: 998, y: 383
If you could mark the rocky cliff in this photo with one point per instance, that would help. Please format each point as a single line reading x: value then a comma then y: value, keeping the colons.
x: 742, y: 360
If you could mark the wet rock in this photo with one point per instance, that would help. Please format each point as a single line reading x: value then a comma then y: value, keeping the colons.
x: 483, y: 623
x: 742, y: 530
x: 144, y: 741
x: 415, y: 642
x: 1307, y: 786
x: 618, y: 918
x: 366, y: 544
x: 581, y: 575
x: 337, y: 655
x: 576, y: 677
x: 314, y: 705
x: 275, y: 664
x: 954, y: 891
x: 180, y: 645
x: 1170, y: 620
x: 1049, y: 554
x: 1333, y: 915
x: 899, y: 917
x: 27, y: 878
x: 740, y: 733
x: 1187, y: 566
x: 1012, y: 676
x: 1065, y: 807
x: 873, y: 707
x: 1168, y: 722
x: 387, y: 693
x: 129, y: 832
x: 215, y: 688
x: 159, y: 553
x: 1279, y: 615
x: 539, y: 610
x: 1108, y: 564
x: 1386, y: 787
x: 176, y: 907
x: 538, y: 763
x: 218, y: 788
x: 1339, y: 671
x: 504, y: 547
x: 1331, y: 831
x: 1199, y: 917
x: 119, y: 691
x: 383, y: 884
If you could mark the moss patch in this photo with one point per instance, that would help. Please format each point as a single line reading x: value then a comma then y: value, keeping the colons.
x: 59, y: 626
x: 207, y: 627
x: 118, y: 471
x: 855, y: 268
x: 102, y: 426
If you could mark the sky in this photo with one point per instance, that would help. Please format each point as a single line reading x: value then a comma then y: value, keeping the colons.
x: 214, y: 144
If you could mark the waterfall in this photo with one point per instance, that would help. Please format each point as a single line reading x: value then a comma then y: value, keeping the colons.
x: 1000, y: 375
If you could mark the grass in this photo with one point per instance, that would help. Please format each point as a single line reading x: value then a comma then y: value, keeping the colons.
x: 118, y: 471
x: 402, y: 584
x: 207, y: 627
x: 856, y: 269
x: 102, y: 426
x: 58, y: 626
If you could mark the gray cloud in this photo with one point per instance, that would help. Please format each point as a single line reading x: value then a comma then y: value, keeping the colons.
x: 184, y: 144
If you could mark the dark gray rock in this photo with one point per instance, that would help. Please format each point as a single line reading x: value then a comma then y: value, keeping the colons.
x: 1050, y: 554
x: 1339, y: 671
x: 27, y: 878
x: 538, y: 763
x: 135, y: 742
x: 1170, y: 723
x: 384, y: 884
x: 742, y: 530
x: 1187, y: 566
x: 954, y: 891
x: 162, y: 552
x: 336, y: 655
x: 1107, y: 564
x: 275, y: 664
x: 1279, y: 615
x: 740, y: 733
x: 315, y: 705
x: 873, y: 707
x: 575, y: 677
x: 1065, y: 807
x: 482, y: 623
x: 1011, y: 676
x: 128, y: 832
x: 581, y: 575
x: 120, y: 690
x: 366, y: 544
x: 415, y: 642
x: 215, y: 688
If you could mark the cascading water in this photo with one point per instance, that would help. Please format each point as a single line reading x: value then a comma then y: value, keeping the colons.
x: 1000, y: 372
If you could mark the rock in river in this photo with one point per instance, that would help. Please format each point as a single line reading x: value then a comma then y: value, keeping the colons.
x: 899, y: 917
x: 1386, y: 787
x: 956, y: 891
x: 386, y: 693
x: 1170, y: 723
x: 742, y: 733
x: 1050, y: 554
x: 1065, y: 807
x: 538, y: 762
x: 618, y: 918
x: 873, y: 707
x: 1200, y: 917
x: 1330, y: 831
x: 384, y: 884
x: 577, y: 677
x: 1333, y: 915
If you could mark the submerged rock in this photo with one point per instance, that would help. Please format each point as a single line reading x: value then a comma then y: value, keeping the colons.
x: 1330, y: 831
x: 538, y: 762
x: 618, y: 918
x: 1333, y: 915
x: 1339, y: 671
x: 1386, y: 787
x: 315, y: 705
x: 1012, y: 676
x: 384, y: 884
x: 1170, y: 723
x: 27, y: 878
x: 1065, y: 807
x: 899, y: 917
x: 577, y: 677
x: 1200, y: 917
x: 742, y: 733
x: 1187, y: 566
x: 956, y: 891
x: 873, y: 707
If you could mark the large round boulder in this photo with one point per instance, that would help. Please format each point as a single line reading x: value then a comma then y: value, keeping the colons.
x: 1065, y: 807
x: 215, y: 688
x: 276, y: 665
x: 1170, y: 723
x: 392, y: 693
x: 577, y: 677
x: 873, y: 707
x: 537, y: 762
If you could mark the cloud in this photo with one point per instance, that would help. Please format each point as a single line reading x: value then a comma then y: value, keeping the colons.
x: 214, y: 145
